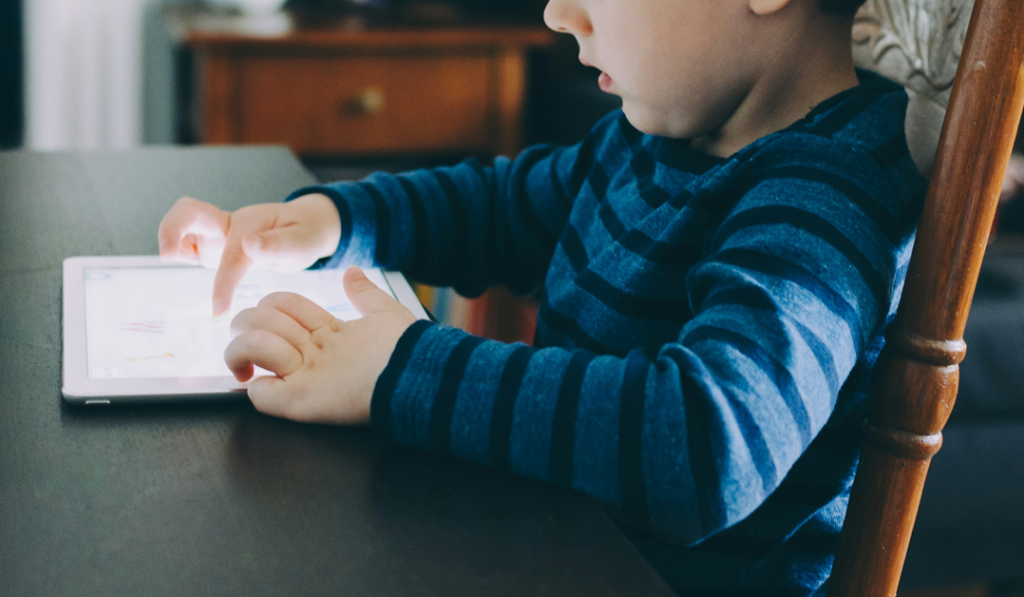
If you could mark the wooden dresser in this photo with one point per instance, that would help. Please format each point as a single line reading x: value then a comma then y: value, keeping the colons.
x: 349, y: 87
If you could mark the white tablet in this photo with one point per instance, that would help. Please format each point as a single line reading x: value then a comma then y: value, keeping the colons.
x: 140, y: 330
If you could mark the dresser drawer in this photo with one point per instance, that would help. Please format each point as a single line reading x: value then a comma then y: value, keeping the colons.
x: 365, y: 104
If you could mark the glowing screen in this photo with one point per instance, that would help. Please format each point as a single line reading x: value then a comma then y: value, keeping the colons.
x: 158, y: 322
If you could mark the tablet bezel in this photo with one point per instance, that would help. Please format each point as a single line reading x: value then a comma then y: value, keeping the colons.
x: 79, y: 388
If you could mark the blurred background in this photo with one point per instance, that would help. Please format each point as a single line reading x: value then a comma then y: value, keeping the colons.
x: 101, y: 74
x: 355, y: 86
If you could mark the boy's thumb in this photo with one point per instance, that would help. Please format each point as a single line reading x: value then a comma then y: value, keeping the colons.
x: 365, y: 296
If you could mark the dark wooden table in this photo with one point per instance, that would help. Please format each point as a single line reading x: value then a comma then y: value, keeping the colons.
x: 218, y: 499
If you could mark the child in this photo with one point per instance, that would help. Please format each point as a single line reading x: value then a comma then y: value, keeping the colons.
x: 719, y: 260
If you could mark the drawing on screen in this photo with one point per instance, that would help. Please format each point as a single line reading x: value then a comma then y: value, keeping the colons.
x: 158, y: 322
x: 166, y: 355
x: 144, y: 327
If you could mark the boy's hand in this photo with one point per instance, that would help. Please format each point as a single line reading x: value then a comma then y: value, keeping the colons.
x: 283, y: 236
x: 326, y: 369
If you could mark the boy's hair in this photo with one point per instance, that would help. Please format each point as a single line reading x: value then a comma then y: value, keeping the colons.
x: 840, y: 7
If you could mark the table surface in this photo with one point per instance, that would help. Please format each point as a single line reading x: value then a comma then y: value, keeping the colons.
x: 217, y: 499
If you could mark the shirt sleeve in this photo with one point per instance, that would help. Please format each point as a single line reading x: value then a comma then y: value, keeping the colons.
x: 798, y: 277
x: 469, y: 226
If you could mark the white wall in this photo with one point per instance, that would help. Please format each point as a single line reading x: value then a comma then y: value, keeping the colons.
x: 83, y: 75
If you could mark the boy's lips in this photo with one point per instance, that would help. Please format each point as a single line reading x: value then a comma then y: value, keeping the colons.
x: 604, y: 81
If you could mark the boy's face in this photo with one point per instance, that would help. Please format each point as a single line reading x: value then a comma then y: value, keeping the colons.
x: 681, y: 67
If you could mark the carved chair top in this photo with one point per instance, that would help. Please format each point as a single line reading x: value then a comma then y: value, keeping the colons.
x: 918, y: 44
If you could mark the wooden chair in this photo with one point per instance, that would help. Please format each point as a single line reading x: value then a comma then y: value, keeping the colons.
x: 918, y: 43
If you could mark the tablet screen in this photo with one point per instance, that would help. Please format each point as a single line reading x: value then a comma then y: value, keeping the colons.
x: 158, y: 322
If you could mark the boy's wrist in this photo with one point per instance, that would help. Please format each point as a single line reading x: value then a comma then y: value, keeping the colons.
x: 357, y: 215
x: 324, y: 219
x: 387, y: 381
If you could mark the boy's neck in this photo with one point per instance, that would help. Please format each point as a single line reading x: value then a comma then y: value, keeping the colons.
x: 801, y: 75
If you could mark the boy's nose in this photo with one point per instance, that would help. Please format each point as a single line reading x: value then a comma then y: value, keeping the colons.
x: 567, y: 16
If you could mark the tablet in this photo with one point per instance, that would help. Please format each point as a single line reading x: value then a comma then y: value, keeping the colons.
x: 140, y: 330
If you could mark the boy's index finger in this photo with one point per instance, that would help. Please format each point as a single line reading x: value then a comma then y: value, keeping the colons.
x: 229, y: 276
x: 307, y: 313
x: 234, y: 263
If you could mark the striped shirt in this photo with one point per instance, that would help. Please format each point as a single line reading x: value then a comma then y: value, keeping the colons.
x: 706, y: 334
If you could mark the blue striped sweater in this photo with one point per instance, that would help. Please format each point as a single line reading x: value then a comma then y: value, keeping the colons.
x: 706, y: 333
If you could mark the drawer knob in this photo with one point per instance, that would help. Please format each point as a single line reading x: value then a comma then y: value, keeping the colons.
x: 370, y: 101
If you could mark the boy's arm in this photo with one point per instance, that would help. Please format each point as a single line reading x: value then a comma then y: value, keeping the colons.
x: 469, y: 226
x: 693, y: 439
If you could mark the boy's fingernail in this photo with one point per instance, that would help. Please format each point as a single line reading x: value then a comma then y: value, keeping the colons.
x: 218, y: 306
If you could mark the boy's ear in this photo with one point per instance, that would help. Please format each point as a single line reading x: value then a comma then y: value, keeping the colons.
x: 767, y: 7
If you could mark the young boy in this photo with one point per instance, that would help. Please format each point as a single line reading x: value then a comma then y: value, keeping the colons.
x: 719, y: 260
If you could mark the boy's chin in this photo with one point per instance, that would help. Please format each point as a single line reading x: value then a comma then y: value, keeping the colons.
x: 650, y: 122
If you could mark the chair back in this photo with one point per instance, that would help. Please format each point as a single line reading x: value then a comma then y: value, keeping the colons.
x: 977, y: 68
x: 917, y: 43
